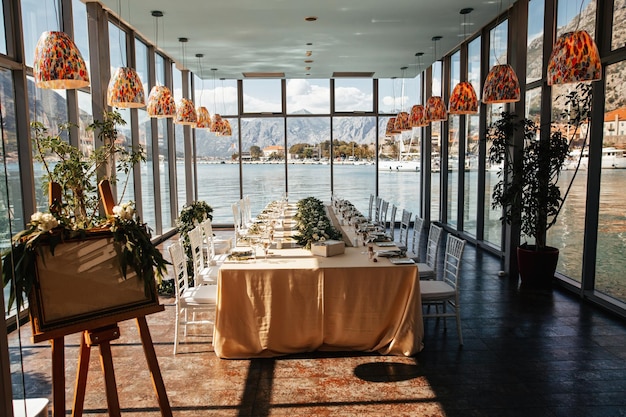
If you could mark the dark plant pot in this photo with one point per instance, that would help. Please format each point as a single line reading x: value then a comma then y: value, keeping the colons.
x: 537, y: 268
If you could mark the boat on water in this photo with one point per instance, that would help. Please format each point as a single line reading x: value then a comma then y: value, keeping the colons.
x: 612, y: 158
x: 398, y: 166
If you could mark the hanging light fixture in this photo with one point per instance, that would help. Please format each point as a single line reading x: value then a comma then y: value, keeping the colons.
x: 125, y: 89
x: 185, y: 111
x: 417, y: 117
x: 390, y: 129
x: 574, y: 58
x: 225, y: 130
x: 402, y: 118
x: 160, y: 100
x: 463, y: 99
x: 501, y: 84
x: 216, y: 124
x: 435, y: 107
x: 58, y: 63
x: 204, y: 118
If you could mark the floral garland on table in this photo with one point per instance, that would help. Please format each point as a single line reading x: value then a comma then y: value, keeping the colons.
x: 313, y: 223
x: 131, y: 237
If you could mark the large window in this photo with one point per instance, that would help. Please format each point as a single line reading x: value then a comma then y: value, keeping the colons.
x: 454, y: 127
x: 436, y: 142
x: 308, y: 96
x: 534, y: 40
x: 354, y: 95
x: 262, y: 96
x: 38, y: 16
x: 470, y: 205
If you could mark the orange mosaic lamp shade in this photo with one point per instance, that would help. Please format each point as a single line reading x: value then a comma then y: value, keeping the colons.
x: 391, y: 127
x: 204, y: 118
x: 436, y: 109
x: 161, y: 103
x: 463, y: 99
x: 417, y: 117
x: 402, y: 122
x: 501, y: 85
x: 58, y: 63
x: 216, y: 125
x: 125, y: 89
x: 574, y: 58
x: 227, y: 130
x: 186, y: 113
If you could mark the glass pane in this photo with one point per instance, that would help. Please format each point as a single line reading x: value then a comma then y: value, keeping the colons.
x: 218, y: 157
x: 147, y: 169
x: 3, y: 37
x: 308, y: 142
x: 435, y: 138
x: 264, y: 182
x: 453, y: 169
x: 117, y: 47
x: 262, y: 96
x: 38, y: 16
x: 85, y: 116
x: 619, y: 36
x: 610, y: 262
x: 179, y: 135
x: 498, y: 44
x: 125, y: 183
x: 569, y: 16
x: 48, y: 107
x: 354, y: 95
x: 81, y: 38
x: 11, y: 220
x: 470, y: 205
x: 226, y: 93
x: 308, y: 96
x: 164, y: 172
x: 534, y: 40
x: 389, y: 96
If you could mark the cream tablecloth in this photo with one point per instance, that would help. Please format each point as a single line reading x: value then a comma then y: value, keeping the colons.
x: 297, y: 302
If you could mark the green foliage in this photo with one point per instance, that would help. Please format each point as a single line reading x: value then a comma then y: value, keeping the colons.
x: 528, y: 191
x: 313, y: 223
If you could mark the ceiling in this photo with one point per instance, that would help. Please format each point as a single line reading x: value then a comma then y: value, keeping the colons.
x: 238, y: 36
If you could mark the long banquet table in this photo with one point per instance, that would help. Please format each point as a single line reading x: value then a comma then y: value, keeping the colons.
x: 297, y: 302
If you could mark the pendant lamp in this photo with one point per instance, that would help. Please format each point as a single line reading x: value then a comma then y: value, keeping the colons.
x: 161, y: 103
x: 390, y: 129
x: 574, y: 58
x: 501, y: 85
x: 402, y: 118
x: 463, y: 99
x: 58, y: 63
x: 225, y: 130
x: 418, y: 117
x: 216, y: 124
x: 185, y: 111
x: 204, y: 118
x: 125, y: 89
x: 435, y: 107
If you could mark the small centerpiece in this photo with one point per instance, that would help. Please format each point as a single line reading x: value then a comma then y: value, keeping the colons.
x: 313, y: 223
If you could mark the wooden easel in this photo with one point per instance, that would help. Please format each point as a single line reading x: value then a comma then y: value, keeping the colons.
x: 102, y: 337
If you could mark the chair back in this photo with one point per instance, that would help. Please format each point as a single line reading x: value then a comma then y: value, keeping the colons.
x: 197, y: 256
x: 384, y: 208
x: 377, y: 202
x: 179, y: 264
x: 432, y: 248
x: 452, y: 260
x: 392, y: 222
x: 371, y: 207
x: 207, y: 231
x: 405, y: 223
x: 416, y: 241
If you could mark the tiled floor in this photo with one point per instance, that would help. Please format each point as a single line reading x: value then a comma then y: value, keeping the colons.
x: 525, y: 353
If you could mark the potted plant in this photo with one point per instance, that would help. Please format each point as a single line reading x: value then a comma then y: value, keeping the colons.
x: 528, y: 192
x: 74, y: 217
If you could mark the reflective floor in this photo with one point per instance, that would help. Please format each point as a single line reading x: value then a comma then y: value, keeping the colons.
x: 525, y: 354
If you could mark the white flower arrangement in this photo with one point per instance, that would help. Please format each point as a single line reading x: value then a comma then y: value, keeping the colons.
x: 126, y: 211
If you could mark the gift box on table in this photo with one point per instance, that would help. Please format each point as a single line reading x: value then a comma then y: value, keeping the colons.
x: 328, y: 248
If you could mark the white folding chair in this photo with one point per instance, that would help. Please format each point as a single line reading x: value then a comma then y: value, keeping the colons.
x: 445, y: 293
x: 202, y: 272
x: 392, y: 222
x: 428, y: 269
x: 213, y: 245
x: 405, y: 224
x: 189, y: 300
x: 416, y: 239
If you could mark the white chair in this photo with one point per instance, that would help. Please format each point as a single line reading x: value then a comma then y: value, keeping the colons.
x: 377, y: 203
x: 202, y: 273
x: 240, y: 230
x: 371, y: 208
x: 189, y: 300
x: 405, y: 224
x: 392, y: 222
x: 445, y: 293
x: 214, y: 246
x: 382, y: 220
x: 428, y: 269
x: 416, y: 239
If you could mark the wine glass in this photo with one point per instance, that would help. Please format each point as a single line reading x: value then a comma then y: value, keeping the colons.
x: 266, y: 242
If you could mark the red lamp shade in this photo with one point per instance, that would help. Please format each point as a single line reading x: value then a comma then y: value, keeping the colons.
x: 204, y: 118
x: 391, y: 127
x: 463, y: 99
x: 436, y: 109
x: 58, y: 63
x: 501, y: 85
x: 161, y: 103
x: 125, y: 89
x: 402, y: 122
x: 574, y: 58
x: 216, y: 125
x: 186, y: 113
x: 418, y: 116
